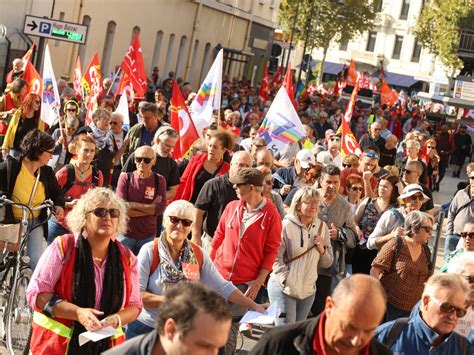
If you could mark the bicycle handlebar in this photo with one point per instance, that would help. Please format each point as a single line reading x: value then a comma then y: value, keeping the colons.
x: 46, y: 204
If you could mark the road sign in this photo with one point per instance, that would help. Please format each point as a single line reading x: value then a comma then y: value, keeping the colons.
x: 54, y: 29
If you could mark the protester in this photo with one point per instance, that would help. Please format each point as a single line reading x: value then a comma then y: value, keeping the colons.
x: 305, y: 246
x: 170, y: 259
x: 467, y: 236
x: 373, y: 138
x: 388, y: 152
x: 431, y: 330
x: 462, y: 149
x: 404, y: 264
x: 9, y: 103
x: 119, y: 144
x: 269, y: 193
x: 85, y: 281
x: 31, y: 181
x: 103, y: 138
x: 264, y: 158
x: 413, y: 149
x: 411, y: 174
x: 366, y: 169
x: 145, y: 194
x: 354, y: 189
x: 63, y: 138
x: 346, y: 325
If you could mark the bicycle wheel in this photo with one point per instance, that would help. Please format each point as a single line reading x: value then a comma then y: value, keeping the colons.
x: 6, y: 272
x: 19, y: 314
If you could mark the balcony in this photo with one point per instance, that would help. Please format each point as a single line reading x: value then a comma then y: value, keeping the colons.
x: 466, y: 44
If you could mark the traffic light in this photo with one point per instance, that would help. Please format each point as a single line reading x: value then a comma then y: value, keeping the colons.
x: 274, y: 57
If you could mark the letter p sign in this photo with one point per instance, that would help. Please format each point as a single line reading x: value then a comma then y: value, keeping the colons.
x: 45, y: 27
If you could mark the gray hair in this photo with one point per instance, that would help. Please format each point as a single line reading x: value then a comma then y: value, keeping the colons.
x: 460, y: 263
x: 445, y: 281
x: 165, y: 131
x: 145, y: 106
x: 100, y: 113
x: 179, y: 208
x: 117, y: 114
x: 72, y: 121
x: 76, y: 219
x: 415, y: 142
x: 415, y: 220
x: 68, y: 91
x: 302, y: 193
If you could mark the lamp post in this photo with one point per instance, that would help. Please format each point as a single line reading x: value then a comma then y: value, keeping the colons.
x: 293, y: 32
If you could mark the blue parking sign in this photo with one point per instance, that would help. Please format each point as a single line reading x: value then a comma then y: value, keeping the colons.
x: 45, y: 27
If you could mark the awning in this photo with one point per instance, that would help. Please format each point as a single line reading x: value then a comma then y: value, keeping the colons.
x: 332, y: 68
x: 450, y: 101
x: 402, y: 80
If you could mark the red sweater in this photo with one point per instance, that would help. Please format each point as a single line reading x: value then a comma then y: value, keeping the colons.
x: 240, y: 259
x: 186, y: 187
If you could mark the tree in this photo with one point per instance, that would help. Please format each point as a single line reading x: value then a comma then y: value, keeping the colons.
x: 330, y: 21
x: 438, y: 30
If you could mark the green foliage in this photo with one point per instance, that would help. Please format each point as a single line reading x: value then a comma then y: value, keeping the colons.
x: 438, y: 29
x: 342, y: 22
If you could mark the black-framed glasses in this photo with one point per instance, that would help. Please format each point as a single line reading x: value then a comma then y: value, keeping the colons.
x: 102, y: 212
x: 467, y: 234
x: 144, y: 159
x: 406, y: 171
x: 185, y: 222
x: 71, y: 110
x: 49, y: 151
x: 347, y: 165
x: 416, y: 197
x: 428, y: 229
x: 356, y: 188
x: 447, y: 307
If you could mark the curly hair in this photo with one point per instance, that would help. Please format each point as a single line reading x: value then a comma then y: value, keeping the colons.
x: 227, y: 139
x: 35, y: 143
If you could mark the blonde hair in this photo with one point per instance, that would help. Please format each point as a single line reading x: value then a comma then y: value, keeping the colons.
x: 300, y: 195
x: 179, y: 208
x: 76, y: 219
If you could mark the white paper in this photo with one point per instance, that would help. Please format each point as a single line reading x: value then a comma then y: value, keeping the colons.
x: 273, y: 312
x: 97, y: 335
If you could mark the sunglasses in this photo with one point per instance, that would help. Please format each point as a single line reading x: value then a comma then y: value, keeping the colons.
x: 467, y: 234
x: 408, y: 171
x: 71, y: 110
x: 102, y: 212
x: 145, y: 160
x: 360, y: 189
x: 428, y: 229
x: 185, y: 222
x: 430, y: 147
x: 416, y: 197
x: 447, y: 307
x: 371, y: 155
x: 470, y: 279
x: 335, y: 139
x: 347, y: 165
x: 49, y: 151
x: 471, y: 177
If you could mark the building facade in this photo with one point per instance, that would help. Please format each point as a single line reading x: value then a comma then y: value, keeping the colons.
x: 175, y: 35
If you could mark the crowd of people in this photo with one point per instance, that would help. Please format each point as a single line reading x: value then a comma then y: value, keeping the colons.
x: 338, y: 242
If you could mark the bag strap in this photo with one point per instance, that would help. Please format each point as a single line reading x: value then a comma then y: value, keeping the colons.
x: 398, y: 245
x: 70, y: 178
x: 35, y: 187
x: 395, y: 331
x: 397, y: 214
x: 156, y: 256
x: 307, y: 250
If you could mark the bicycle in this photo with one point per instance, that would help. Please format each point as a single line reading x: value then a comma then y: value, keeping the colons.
x: 16, y: 314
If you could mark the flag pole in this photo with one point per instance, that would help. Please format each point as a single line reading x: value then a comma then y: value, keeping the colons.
x: 116, y: 74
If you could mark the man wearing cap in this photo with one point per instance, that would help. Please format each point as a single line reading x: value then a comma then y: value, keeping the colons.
x: 247, y: 239
x: 391, y: 222
x: 287, y: 178
x: 411, y: 175
x: 373, y: 138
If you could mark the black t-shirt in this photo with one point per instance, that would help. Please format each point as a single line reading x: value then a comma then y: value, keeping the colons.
x: 24, y: 126
x: 167, y: 167
x: 201, y: 177
x: 428, y: 205
x: 387, y: 156
x: 213, y: 198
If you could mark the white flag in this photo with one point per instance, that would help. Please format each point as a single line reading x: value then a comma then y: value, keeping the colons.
x: 122, y: 108
x: 281, y: 126
x: 208, y: 97
x: 51, y: 102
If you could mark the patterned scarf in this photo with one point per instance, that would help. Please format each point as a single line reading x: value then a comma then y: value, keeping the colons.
x: 171, y: 271
x: 103, y: 139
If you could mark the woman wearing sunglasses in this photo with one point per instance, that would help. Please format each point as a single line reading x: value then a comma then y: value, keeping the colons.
x: 354, y: 190
x: 85, y: 281
x: 403, y: 265
x: 25, y: 119
x: 467, y: 237
x: 268, y: 191
x: 172, y: 258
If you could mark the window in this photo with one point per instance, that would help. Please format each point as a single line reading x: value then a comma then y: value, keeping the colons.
x: 86, y: 20
x: 205, y: 62
x: 378, y: 4
x: 108, y: 44
x: 193, y: 61
x: 169, y: 55
x: 343, y: 45
x: 415, y: 57
x: 135, y: 31
x: 397, y: 48
x: 405, y: 9
x: 181, y: 56
x: 157, y: 50
x: 371, y: 41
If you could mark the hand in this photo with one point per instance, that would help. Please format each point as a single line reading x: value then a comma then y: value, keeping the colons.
x: 252, y: 291
x: 157, y: 199
x: 399, y: 231
x: 333, y: 232
x: 87, y: 317
x: 260, y: 308
x: 319, y: 241
x: 59, y: 212
x: 111, y: 321
x: 285, y: 189
x: 12, y: 111
x: 367, y: 175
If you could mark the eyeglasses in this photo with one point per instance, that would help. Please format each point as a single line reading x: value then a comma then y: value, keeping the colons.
x: 355, y: 188
x: 467, y: 234
x: 447, y: 307
x: 71, y: 110
x: 49, y: 151
x: 469, y: 279
x: 376, y: 129
x: 371, y: 155
x: 185, y: 222
x: 430, y: 147
x: 102, y: 212
x: 428, y: 229
x: 347, y: 165
x: 144, y: 159
x: 113, y: 122
x: 311, y: 202
x: 416, y: 197
x: 408, y: 171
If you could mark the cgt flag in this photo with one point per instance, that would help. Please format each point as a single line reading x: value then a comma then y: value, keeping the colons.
x: 134, y: 66
x: 281, y: 126
x: 277, y: 79
x: 51, y: 102
x: 208, y: 97
x: 182, y: 123
x: 387, y: 95
x: 288, y: 85
x: 265, y: 85
x: 76, y: 81
x: 33, y: 80
x: 352, y: 101
x: 349, y: 144
x: 92, y: 84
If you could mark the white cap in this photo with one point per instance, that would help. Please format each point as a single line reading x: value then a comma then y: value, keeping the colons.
x: 306, y: 158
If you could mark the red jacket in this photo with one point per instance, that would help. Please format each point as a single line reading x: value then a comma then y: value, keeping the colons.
x: 186, y: 188
x: 240, y: 259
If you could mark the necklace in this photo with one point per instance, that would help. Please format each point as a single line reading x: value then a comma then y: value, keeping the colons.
x: 96, y: 258
x: 82, y: 172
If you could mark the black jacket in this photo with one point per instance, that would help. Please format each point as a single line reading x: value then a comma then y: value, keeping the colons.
x: 140, y: 345
x: 9, y: 170
x: 297, y: 338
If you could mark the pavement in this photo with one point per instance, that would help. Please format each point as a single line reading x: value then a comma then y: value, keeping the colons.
x: 446, y: 193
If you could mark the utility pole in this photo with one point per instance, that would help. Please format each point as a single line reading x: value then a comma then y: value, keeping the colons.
x: 293, y: 32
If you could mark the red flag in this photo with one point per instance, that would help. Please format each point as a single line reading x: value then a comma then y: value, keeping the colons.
x: 33, y: 79
x: 25, y: 59
x: 265, y: 85
x: 125, y: 85
x: 351, y: 104
x: 133, y: 65
x: 349, y: 144
x: 335, y: 90
x: 352, y: 74
x: 387, y: 95
x: 277, y: 78
x: 76, y: 81
x: 288, y: 85
x: 182, y: 123
x: 92, y: 84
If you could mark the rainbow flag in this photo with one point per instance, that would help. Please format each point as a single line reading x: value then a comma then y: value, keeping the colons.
x: 300, y: 90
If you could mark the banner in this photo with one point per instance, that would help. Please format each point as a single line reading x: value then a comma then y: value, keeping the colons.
x: 51, y: 102
x: 349, y: 144
x: 182, y: 122
x: 208, y: 97
x: 33, y: 79
x: 288, y: 85
x: 301, y: 90
x: 352, y: 77
x: 281, y: 126
x: 122, y: 108
x: 76, y: 80
x: 265, y: 85
x: 92, y: 84
x: 352, y: 101
x: 134, y: 66
x: 277, y: 79
x: 387, y: 95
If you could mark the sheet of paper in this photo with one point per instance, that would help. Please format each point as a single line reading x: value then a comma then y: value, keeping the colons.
x: 273, y: 312
x: 97, y: 335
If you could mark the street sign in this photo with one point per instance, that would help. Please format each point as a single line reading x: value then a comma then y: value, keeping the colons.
x: 464, y: 90
x: 54, y: 29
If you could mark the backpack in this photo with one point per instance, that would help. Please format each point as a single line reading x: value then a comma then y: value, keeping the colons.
x: 156, y: 255
x: 71, y: 177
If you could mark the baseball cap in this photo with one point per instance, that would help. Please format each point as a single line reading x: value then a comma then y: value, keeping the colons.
x: 306, y: 158
x: 250, y: 176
